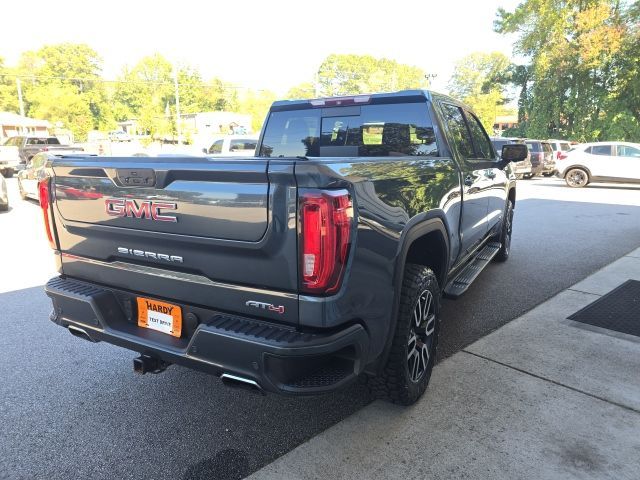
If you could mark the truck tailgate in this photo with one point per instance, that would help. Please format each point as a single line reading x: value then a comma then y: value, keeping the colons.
x: 218, y: 223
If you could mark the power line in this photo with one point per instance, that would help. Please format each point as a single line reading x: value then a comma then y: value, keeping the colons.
x: 132, y: 82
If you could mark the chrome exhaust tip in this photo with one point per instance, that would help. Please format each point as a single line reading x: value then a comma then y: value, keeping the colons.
x: 242, y: 383
x: 80, y: 333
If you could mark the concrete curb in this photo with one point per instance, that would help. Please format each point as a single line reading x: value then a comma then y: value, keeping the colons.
x: 538, y: 398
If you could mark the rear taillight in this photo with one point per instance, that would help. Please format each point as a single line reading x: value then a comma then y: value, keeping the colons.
x: 562, y: 155
x: 45, y: 195
x: 326, y: 220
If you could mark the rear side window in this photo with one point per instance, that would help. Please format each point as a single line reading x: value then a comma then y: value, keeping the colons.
x: 248, y: 146
x: 458, y: 129
x: 53, y: 141
x: 534, y: 146
x: 628, y: 151
x: 601, y: 150
x: 364, y: 131
x: 565, y: 147
x: 547, y: 148
x: 36, y: 141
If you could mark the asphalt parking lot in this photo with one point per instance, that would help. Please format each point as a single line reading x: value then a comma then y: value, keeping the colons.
x: 71, y: 409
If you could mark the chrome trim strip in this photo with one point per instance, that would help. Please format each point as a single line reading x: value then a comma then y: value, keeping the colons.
x: 179, y: 276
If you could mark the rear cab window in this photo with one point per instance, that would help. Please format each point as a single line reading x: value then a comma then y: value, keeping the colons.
x: 377, y: 130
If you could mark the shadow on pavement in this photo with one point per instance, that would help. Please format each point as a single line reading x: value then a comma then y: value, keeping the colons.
x: 76, y: 410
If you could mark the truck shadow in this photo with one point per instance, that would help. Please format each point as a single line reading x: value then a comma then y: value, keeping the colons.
x: 75, y: 406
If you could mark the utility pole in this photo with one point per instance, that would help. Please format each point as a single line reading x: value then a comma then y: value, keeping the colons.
x: 177, y: 94
x: 20, y: 102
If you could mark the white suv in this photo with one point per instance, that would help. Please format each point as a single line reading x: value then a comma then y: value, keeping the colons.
x: 600, y: 162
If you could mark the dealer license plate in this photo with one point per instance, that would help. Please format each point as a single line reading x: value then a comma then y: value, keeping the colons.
x: 160, y: 316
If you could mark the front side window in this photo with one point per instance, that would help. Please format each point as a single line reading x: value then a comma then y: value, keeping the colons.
x: 601, y: 150
x: 480, y: 138
x: 36, y: 141
x: 627, y: 151
x: 216, y: 147
x: 458, y: 129
x: 38, y: 160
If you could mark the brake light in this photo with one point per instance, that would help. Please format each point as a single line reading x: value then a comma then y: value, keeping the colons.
x: 562, y: 155
x: 45, y: 195
x: 326, y: 218
x: 340, y: 101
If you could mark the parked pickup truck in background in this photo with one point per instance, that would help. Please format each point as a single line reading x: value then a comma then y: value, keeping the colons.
x: 320, y: 259
x: 28, y: 146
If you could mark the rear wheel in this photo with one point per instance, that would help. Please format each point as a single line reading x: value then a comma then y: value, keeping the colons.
x: 7, y: 173
x: 406, y: 374
x: 576, y: 178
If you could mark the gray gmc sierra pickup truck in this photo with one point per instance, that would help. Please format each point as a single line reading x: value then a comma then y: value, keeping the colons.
x: 321, y: 259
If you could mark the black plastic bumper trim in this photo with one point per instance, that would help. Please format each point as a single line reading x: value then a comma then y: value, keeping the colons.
x: 220, y: 344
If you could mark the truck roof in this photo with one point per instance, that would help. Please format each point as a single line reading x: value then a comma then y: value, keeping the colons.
x: 401, y: 96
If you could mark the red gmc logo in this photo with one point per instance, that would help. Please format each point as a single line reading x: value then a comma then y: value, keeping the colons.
x: 126, y: 207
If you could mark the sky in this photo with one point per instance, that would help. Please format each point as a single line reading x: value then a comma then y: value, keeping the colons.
x: 260, y: 44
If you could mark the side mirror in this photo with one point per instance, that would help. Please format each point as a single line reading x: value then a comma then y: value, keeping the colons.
x: 204, y: 150
x: 514, y: 152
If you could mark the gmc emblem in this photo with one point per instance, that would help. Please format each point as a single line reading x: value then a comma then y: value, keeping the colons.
x: 126, y: 207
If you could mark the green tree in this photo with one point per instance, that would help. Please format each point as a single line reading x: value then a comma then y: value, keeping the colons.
x: 147, y: 92
x: 256, y: 104
x: 62, y: 83
x: 8, y: 91
x: 354, y: 74
x: 478, y: 80
x: 582, y: 57
x: 301, y: 91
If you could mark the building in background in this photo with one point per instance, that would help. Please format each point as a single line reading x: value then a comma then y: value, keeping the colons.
x: 503, y: 122
x: 12, y: 124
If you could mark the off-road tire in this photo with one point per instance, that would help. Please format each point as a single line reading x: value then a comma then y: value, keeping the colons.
x: 506, y: 234
x: 394, y: 382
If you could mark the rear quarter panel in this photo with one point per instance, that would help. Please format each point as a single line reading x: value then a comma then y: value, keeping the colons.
x: 390, y: 195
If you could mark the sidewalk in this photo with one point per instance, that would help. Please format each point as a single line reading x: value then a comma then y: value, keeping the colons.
x: 542, y: 397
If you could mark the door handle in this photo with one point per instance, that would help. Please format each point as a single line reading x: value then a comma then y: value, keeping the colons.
x: 468, y: 180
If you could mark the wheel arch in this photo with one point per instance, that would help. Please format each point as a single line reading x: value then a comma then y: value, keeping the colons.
x: 581, y: 167
x: 424, y: 241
